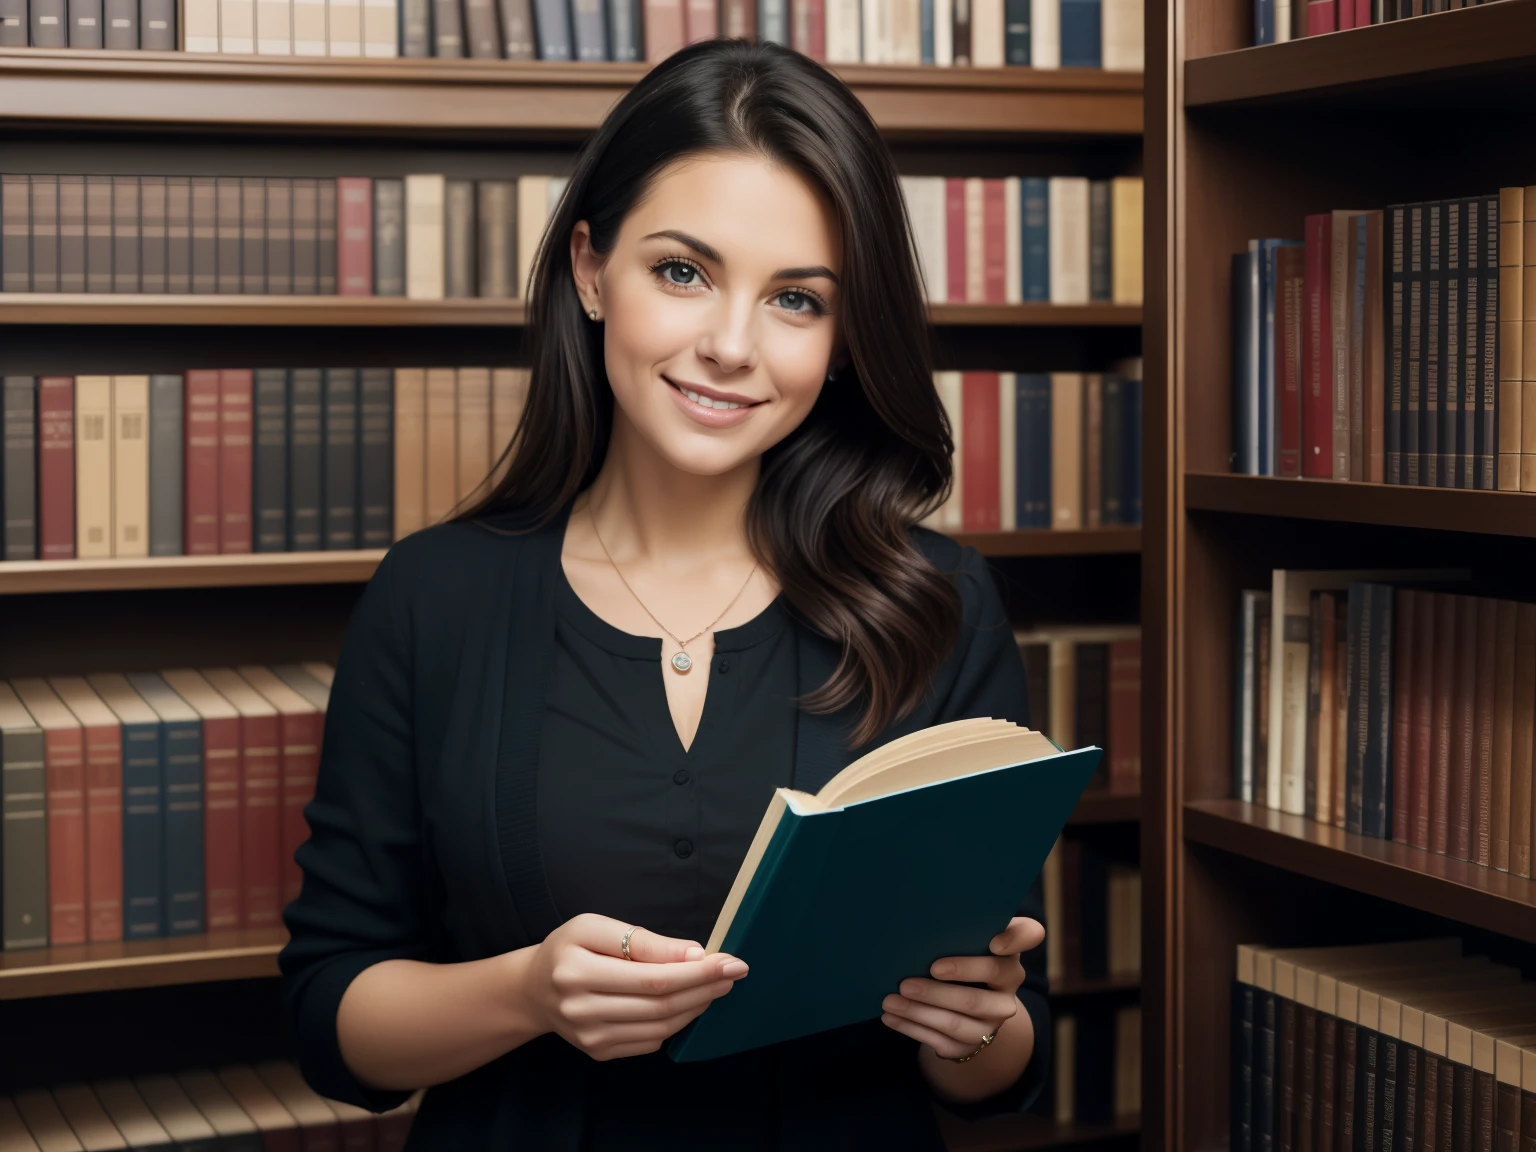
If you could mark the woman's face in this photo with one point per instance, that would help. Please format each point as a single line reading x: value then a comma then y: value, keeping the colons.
x: 720, y: 304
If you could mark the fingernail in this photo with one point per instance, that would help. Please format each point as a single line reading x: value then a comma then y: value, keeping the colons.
x: 734, y: 968
x: 943, y: 968
x: 693, y: 952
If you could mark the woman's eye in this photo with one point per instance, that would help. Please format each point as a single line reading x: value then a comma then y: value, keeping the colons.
x: 792, y: 301
x: 679, y: 273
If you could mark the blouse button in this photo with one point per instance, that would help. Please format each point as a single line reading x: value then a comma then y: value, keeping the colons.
x: 683, y: 848
x: 725, y: 666
x: 680, y: 776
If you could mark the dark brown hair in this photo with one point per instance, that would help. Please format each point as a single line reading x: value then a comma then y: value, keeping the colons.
x: 835, y: 500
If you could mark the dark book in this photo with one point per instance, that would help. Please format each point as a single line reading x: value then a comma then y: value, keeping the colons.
x: 1344, y: 1111
x: 306, y: 428
x: 181, y: 755
x: 1285, y: 1074
x: 1315, y: 703
x: 1093, y: 1065
x: 496, y: 230
x: 961, y: 32
x: 157, y: 25
x: 279, y: 250
x: 1432, y: 346
x: 1306, y: 1079
x: 1100, y: 266
x: 519, y: 42
x: 1410, y: 1071
x: 18, y: 466
x: 1442, y: 711
x: 1240, y: 1109
x: 1386, y: 1104
x: 253, y: 235
x: 1446, y: 1096
x: 1413, y: 244
x: 1484, y: 1109
x: 71, y: 233
x: 98, y: 233
x: 1081, y: 39
x: 143, y: 828
x: 1527, y: 1115
x: 122, y: 25
x: 48, y: 21
x: 228, y: 234
x: 1393, y: 221
x: 166, y: 439
x: 1467, y: 343
x: 125, y: 233
x: 1091, y: 699
x: 1037, y: 678
x: 1488, y: 351
x: 1463, y: 730
x: 1032, y: 470
x: 16, y: 233
x: 447, y: 29
x: 205, y: 235
x: 416, y: 28
x: 269, y: 460
x: 152, y: 249
x: 459, y: 239
x: 1113, y: 459
x: 589, y: 30
x: 1016, y: 33
x: 552, y: 26
x: 84, y: 23
x: 1327, y: 1081
x: 389, y: 237
x: 1367, y: 1085
x: 1094, y: 894
x: 13, y: 23
x: 23, y: 818
x: 1071, y: 930
x: 1463, y: 1108
x: 340, y: 454
x: 1369, y: 728
x: 1452, y: 246
x: 625, y: 41
x: 1265, y: 1114
x: 306, y: 236
x: 482, y: 31
x: 376, y: 458
x: 178, y: 234
x: 1429, y: 1104
x: 45, y: 234
x: 325, y: 238
x: 1506, y: 1112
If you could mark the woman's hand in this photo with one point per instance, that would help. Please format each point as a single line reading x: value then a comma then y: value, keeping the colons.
x: 610, y: 1007
x: 951, y: 1019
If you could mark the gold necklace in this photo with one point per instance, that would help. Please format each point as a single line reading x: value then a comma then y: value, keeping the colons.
x: 681, y: 661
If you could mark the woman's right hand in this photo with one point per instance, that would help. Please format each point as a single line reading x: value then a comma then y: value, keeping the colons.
x: 610, y: 1007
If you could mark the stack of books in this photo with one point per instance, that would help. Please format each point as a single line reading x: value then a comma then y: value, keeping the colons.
x: 153, y: 805
x: 1096, y: 1065
x: 1085, y: 689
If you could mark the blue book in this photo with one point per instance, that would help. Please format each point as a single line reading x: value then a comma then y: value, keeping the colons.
x: 1035, y: 234
x: 1246, y: 433
x: 552, y: 21
x: 1032, y: 450
x: 1263, y: 21
x: 1269, y: 448
x: 143, y: 807
x: 925, y: 30
x: 589, y: 29
x: 773, y: 21
x: 1080, y: 44
x: 181, y: 753
x: 913, y: 852
x: 1016, y: 33
x: 624, y: 29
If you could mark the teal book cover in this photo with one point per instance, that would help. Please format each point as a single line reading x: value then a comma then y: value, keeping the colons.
x: 849, y: 901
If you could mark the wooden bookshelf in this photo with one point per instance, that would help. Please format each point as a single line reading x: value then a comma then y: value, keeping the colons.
x: 1073, y: 987
x: 233, y: 955
x: 1054, y: 542
x: 1108, y: 805
x: 1029, y: 1132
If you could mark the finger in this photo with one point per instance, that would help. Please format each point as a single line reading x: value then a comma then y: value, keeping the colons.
x: 981, y: 1003
x: 623, y: 977
x: 600, y: 1006
x: 637, y: 1036
x: 993, y: 971
x: 946, y: 1046
x: 605, y: 935
x: 1021, y: 935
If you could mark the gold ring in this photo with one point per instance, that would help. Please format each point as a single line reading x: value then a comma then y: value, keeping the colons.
x: 985, y: 1040
x: 624, y: 946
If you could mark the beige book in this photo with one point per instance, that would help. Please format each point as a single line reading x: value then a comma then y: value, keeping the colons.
x: 1128, y: 1061
x: 410, y: 451
x: 1067, y: 198
x: 309, y: 32
x: 1065, y: 1041
x: 344, y: 28
x: 381, y: 36
x: 1125, y: 198
x: 1013, y: 250
x: 1050, y: 888
x: 256, y: 1100
x: 321, y: 671
x: 130, y: 465
x: 1066, y: 450
x: 129, y: 1114
x: 1122, y: 36
x: 1124, y: 919
x: 303, y: 1103
x: 1511, y: 328
x: 274, y: 27
x: 86, y: 1117
x: 876, y: 28
x: 944, y: 33
x: 1527, y: 314
x: 975, y: 242
x: 925, y: 210
x: 948, y: 384
x: 441, y: 465
x: 1063, y: 663
x: 424, y: 253
x: 237, y: 27
x: 532, y: 215
x: 219, y: 1108
x: 473, y: 450
x: 177, y: 1114
x: 200, y: 25
x: 509, y: 396
x: 986, y: 33
x: 906, y: 32
x: 1044, y: 34
x: 1007, y: 420
x: 49, y: 1128
x: 93, y: 467
x: 844, y: 32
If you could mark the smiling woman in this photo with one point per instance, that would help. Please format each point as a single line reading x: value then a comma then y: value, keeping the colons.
x: 558, y: 719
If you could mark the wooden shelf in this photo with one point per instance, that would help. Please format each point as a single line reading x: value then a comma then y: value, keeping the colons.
x: 1074, y: 986
x: 1427, y: 881
x: 1053, y: 542
x: 394, y: 311
x: 1403, y: 60
x: 1028, y: 1132
x: 500, y: 100
x: 1398, y: 505
x: 24, y: 576
x: 236, y: 955
x: 1108, y: 805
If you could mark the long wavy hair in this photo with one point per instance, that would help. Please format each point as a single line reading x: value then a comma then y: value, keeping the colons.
x: 836, y: 498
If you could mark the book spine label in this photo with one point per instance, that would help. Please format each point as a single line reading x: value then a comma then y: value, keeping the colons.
x: 183, y: 758
x: 56, y: 468
x: 376, y: 481
x: 18, y: 476
x: 201, y: 482
x: 24, y: 901
x: 235, y: 401
x: 157, y: 32
x: 306, y: 431
x: 166, y: 438
x: 261, y: 823
x: 49, y: 25
x: 269, y: 460
x: 340, y: 488
x: 85, y: 23
x: 354, y: 257
x: 143, y: 832
x: 389, y: 238
x: 1317, y: 352
x: 66, y: 836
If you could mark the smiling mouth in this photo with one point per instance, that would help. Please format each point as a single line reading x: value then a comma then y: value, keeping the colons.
x: 708, y: 401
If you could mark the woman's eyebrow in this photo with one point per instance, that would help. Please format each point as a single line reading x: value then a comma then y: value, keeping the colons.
x: 709, y: 253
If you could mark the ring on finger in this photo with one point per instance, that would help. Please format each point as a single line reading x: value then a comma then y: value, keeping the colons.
x: 624, y: 943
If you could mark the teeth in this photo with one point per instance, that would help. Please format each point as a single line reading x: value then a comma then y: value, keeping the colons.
x: 706, y: 402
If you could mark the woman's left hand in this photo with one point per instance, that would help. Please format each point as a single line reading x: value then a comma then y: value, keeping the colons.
x: 952, y: 1018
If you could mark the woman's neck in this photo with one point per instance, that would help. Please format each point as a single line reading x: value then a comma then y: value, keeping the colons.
x: 649, y: 510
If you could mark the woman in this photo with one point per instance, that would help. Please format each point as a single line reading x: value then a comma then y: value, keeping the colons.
x: 557, y: 720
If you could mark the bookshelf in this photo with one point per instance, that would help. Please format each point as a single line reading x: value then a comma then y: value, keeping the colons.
x: 235, y: 955
x: 1242, y: 142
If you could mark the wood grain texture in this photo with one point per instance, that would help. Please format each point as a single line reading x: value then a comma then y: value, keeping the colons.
x: 33, y: 576
x: 235, y: 955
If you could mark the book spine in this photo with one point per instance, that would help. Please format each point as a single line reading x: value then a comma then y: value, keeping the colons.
x: 1511, y: 245
x: 178, y: 234
x: 166, y: 437
x: 376, y: 458
x: 65, y: 768
x: 325, y: 239
x: 416, y: 28
x: 1355, y: 345
x: 261, y: 823
x: 994, y: 243
x: 1463, y: 727
x: 235, y: 402
x: 1242, y: 1066
x: 44, y: 256
x: 1306, y: 1079
x: 1466, y: 342
x: 228, y: 235
x: 1395, y: 304
x: 24, y: 900
x: 1431, y: 448
x: 981, y: 485
x: 183, y: 759
x: 1387, y: 1096
x: 1422, y: 722
x: 125, y: 233
x: 424, y: 239
x: 1100, y: 268
x: 1356, y: 803
x: 1264, y: 1113
x: 624, y: 32
x: 1503, y: 731
x: 306, y: 236
x: 1527, y: 1111
x: 253, y: 235
x: 1317, y: 352
x: 1315, y: 703
x: 269, y: 460
x: 1245, y: 715
x: 84, y: 23
x: 13, y: 24
x: 1285, y: 1075
x: 1486, y: 356
x: 130, y: 466
x: 93, y: 467
x: 300, y: 767
x: 200, y: 24
x: 1506, y: 1116
x: 1327, y: 1082
x: 496, y: 230
x: 1081, y: 37
x: 1113, y: 457
x: 1520, y: 789
x: 18, y: 476
x: 98, y: 233
x: 205, y: 235
x: 279, y: 253
x: 48, y: 24
x: 152, y: 245
x: 1246, y: 436
x: 1412, y: 441
x: 120, y: 31
x: 1441, y: 829
x: 56, y: 468
x: 354, y: 256
x: 482, y: 32
x: 664, y: 29
x: 954, y: 239
x: 389, y: 237
x: 306, y: 424
x: 1066, y: 450
x: 1344, y: 1112
x: 223, y: 824
x: 1367, y: 1086
x: 1034, y: 196
x: 200, y: 486
x: 553, y: 20
x: 1410, y: 1105
x: 459, y: 238
x: 340, y: 459
x: 410, y: 455
x: 71, y: 233
x: 143, y: 831
x: 589, y: 32
x: 1289, y: 296
x: 1405, y: 642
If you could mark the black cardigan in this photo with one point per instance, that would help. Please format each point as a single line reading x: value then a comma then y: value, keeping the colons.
x: 423, y: 834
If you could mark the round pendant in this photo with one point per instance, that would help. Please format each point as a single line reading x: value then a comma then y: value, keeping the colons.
x: 682, y: 661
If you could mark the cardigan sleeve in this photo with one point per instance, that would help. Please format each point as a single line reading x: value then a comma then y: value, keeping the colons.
x: 363, y: 898
x: 989, y: 681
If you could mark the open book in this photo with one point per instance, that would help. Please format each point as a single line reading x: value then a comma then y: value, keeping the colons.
x: 921, y: 849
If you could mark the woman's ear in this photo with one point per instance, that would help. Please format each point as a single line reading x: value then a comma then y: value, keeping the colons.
x: 586, y: 268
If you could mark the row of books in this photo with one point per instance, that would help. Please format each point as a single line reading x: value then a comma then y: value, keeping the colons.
x: 984, y: 33
x: 1038, y: 450
x: 1277, y: 21
x: 425, y: 236
x: 1400, y: 1045
x: 1408, y: 714
x: 1095, y: 1065
x: 1085, y: 689
x: 1059, y: 239
x: 238, y: 1107
x: 1388, y: 347
x: 153, y: 805
x: 241, y: 460
x: 1093, y: 908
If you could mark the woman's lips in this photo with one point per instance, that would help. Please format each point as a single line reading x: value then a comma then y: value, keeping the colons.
x: 705, y: 415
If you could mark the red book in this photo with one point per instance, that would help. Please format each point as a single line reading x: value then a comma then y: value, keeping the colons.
x: 1463, y: 727
x: 663, y: 24
x: 222, y: 852
x: 980, y: 452
x: 1362, y: 13
x: 954, y: 237
x: 354, y: 246
x: 300, y: 727
x: 1404, y: 642
x: 1422, y: 717
x: 1441, y: 710
x: 1290, y: 281
x: 200, y: 469
x: 235, y: 460
x: 808, y: 28
x: 994, y: 242
x: 103, y: 806
x: 56, y: 468
x: 703, y: 20
x: 64, y: 785
x: 1321, y: 17
x: 1124, y: 712
x: 261, y: 833
x: 738, y: 18
x: 1344, y: 14
x: 1317, y: 351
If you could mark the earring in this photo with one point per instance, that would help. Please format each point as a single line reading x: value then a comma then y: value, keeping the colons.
x: 593, y: 313
x: 831, y: 375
